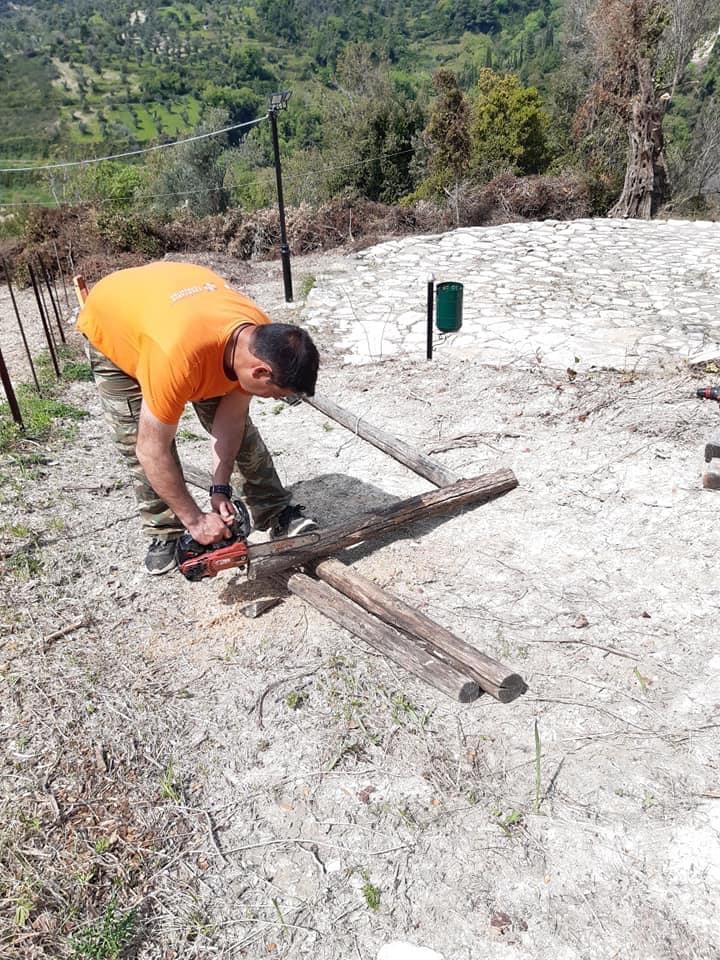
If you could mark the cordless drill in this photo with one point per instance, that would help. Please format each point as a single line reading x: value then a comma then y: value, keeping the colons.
x: 708, y: 393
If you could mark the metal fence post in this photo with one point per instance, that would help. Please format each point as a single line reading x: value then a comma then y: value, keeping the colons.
x: 10, y: 394
x: 20, y: 324
x: 46, y: 325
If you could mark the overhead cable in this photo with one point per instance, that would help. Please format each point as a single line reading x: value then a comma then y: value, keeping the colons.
x: 133, y: 153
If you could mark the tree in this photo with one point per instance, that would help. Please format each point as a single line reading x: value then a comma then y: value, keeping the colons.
x: 641, y: 50
x: 448, y: 131
x: 509, y: 127
x: 192, y: 175
x: 370, y: 130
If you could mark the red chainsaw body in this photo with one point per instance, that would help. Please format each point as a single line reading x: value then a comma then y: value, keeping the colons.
x: 212, y: 563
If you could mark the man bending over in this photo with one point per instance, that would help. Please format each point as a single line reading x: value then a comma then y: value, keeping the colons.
x: 168, y: 334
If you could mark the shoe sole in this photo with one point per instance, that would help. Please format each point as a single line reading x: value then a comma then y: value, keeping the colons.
x: 163, y: 570
x: 304, y: 526
x: 169, y: 566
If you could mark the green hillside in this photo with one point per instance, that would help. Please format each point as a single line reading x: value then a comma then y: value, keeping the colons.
x: 82, y: 79
x: 78, y: 74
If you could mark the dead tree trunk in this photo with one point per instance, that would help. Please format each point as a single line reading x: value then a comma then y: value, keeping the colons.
x: 646, y: 185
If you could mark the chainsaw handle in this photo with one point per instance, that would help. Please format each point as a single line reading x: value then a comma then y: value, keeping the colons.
x: 241, y: 526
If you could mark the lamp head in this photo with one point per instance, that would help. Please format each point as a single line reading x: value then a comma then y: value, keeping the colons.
x: 278, y: 101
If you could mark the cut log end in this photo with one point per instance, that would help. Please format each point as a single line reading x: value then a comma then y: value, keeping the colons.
x: 469, y: 692
x: 511, y: 688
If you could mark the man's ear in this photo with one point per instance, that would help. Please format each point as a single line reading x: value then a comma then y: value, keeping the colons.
x: 262, y: 372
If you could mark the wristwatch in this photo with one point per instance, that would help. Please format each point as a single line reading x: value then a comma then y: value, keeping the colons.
x: 223, y: 488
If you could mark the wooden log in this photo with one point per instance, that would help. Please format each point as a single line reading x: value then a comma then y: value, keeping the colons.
x: 494, y: 677
x: 367, y: 526
x: 397, y: 449
x: 389, y: 641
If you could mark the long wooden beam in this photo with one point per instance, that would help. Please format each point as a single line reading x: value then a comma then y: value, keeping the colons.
x: 387, y: 639
x: 494, y: 677
x: 369, y: 526
x: 398, y: 449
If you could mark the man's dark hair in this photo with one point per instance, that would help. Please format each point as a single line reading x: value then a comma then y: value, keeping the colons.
x: 290, y: 352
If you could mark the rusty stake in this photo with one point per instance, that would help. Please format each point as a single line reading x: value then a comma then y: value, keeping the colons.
x: 20, y: 324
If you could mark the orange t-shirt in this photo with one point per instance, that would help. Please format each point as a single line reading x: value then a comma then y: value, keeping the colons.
x: 166, y: 325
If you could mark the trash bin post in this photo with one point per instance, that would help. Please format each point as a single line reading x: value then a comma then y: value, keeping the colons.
x: 430, y: 304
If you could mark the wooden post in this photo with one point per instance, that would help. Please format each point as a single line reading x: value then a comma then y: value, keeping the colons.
x: 81, y: 289
x: 389, y: 641
x: 495, y: 678
x: 397, y: 449
x: 372, y: 525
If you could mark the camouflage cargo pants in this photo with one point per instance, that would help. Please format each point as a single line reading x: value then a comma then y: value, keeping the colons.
x: 120, y: 398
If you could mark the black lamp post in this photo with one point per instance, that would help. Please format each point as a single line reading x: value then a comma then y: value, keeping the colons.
x: 279, y: 101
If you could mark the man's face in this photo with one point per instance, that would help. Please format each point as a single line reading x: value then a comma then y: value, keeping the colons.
x: 256, y: 379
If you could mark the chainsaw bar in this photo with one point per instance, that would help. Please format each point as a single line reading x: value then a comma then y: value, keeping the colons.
x: 286, y: 545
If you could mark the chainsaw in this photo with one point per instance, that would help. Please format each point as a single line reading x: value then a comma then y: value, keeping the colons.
x: 198, y: 561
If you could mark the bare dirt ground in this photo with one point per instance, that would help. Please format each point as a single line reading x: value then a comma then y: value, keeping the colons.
x: 250, y: 788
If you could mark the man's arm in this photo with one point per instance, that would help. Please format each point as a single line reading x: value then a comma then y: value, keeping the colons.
x: 154, y: 453
x: 228, y: 430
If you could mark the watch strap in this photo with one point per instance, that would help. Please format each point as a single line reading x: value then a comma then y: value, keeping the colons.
x: 222, y: 488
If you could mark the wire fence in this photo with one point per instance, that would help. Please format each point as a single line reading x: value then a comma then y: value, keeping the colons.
x: 46, y: 325
x: 137, y: 199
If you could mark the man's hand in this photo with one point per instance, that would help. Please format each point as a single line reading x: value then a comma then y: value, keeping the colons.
x: 223, y: 506
x: 209, y: 528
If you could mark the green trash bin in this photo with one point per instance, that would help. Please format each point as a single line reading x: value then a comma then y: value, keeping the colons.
x: 449, y: 300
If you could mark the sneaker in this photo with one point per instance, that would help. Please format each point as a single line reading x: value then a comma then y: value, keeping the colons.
x: 291, y: 522
x: 161, y: 556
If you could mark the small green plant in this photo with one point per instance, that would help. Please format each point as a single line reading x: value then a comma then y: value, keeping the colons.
x: 25, y: 565
x: 77, y: 371
x: 185, y: 434
x: 327, y: 426
x: 20, y: 530
x: 279, y: 912
x: 295, y: 699
x: 23, y: 905
x: 83, y: 878
x: 308, y: 282
x: 370, y: 892
x: 102, y: 845
x: 105, y: 937
x: 508, y: 821
x: 39, y: 414
x: 30, y: 823
x: 169, y: 789
x: 277, y: 408
x: 404, y: 710
x: 198, y: 926
x: 643, y: 681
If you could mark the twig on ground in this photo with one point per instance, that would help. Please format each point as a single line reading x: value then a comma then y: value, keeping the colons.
x: 258, y: 707
x: 213, y: 838
x: 71, y: 628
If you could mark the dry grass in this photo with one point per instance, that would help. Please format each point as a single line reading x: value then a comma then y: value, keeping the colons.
x: 96, y: 241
